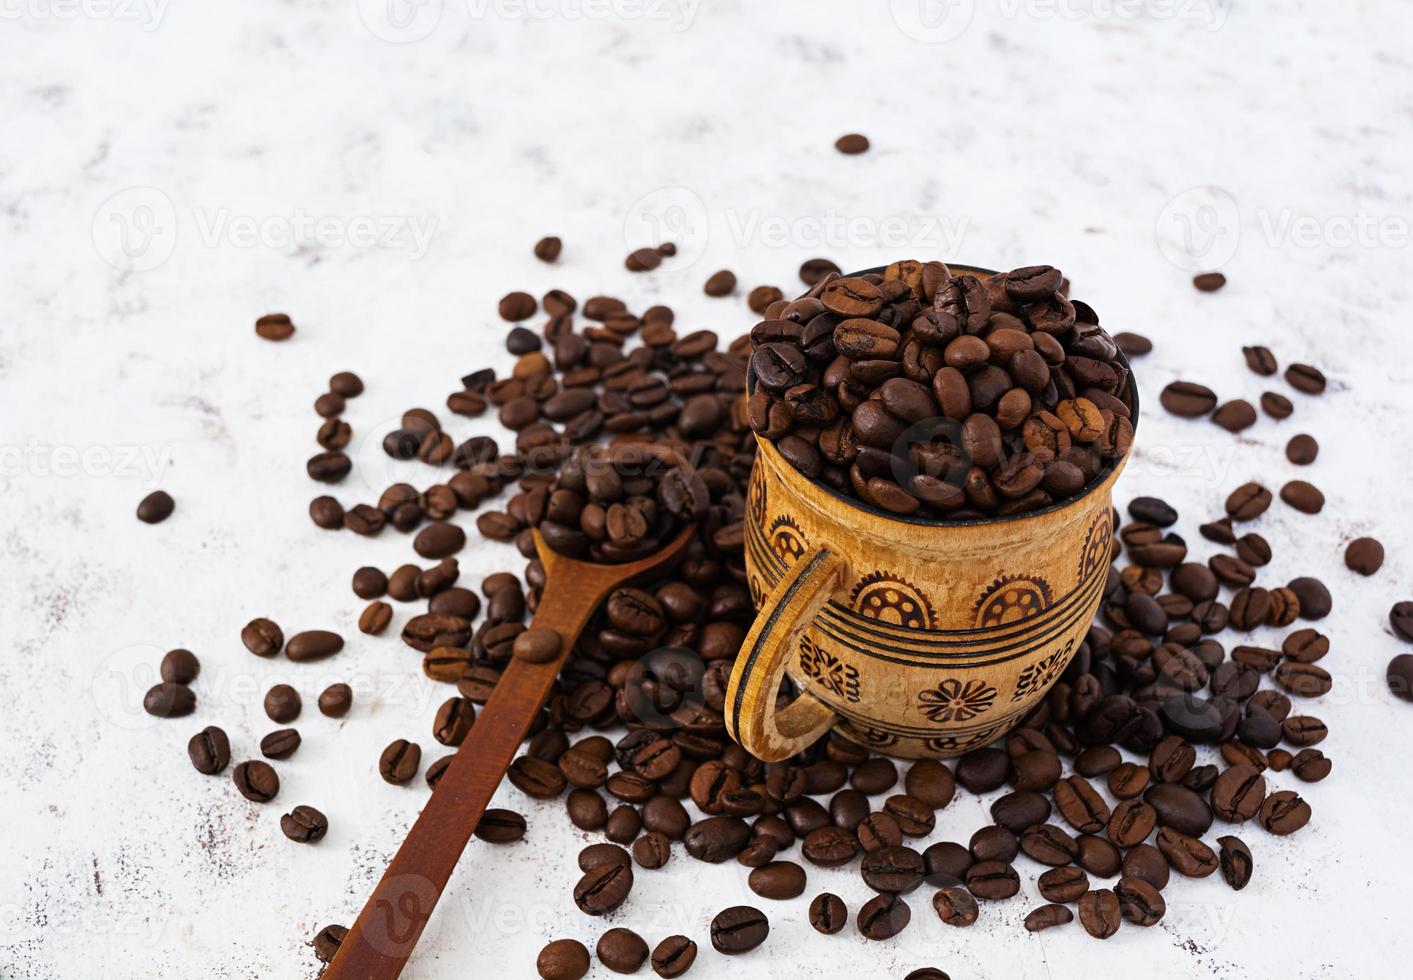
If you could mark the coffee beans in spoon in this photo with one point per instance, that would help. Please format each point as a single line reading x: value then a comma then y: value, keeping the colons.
x: 918, y: 391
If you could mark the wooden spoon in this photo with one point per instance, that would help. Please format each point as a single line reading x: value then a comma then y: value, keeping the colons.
x: 382, y: 938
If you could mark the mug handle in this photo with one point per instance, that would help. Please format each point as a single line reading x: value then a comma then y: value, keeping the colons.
x: 786, y: 613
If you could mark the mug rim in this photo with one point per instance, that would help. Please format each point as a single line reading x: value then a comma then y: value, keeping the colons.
x: 1100, y: 479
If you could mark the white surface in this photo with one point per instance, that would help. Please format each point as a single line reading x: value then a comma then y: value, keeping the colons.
x: 1068, y: 133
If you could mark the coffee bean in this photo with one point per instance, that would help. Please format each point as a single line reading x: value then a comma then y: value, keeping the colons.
x: 1284, y: 812
x: 209, y: 751
x: 563, y: 959
x: 813, y: 270
x: 883, y: 917
x: 400, y: 761
x: 1140, y: 901
x: 652, y: 851
x: 538, y: 645
x: 304, y: 825
x: 931, y: 783
x: 375, y: 618
x: 1276, y: 405
x: 329, y: 467
x: 995, y: 880
x: 156, y: 507
x: 547, y: 249
x: 674, y: 956
x: 622, y: 950
x: 1235, y: 415
x: 1314, y: 599
x: 280, y: 744
x: 179, y: 667
x: 1248, y: 502
x: 336, y: 700
x: 1236, y: 862
x: 955, y: 907
x: 282, y: 704
x: 1304, y: 378
x: 500, y: 826
x: 1186, y: 854
x: 1047, y: 917
x: 1400, y: 676
x: 1260, y: 360
x: 256, y: 781
x: 370, y: 583
x: 1063, y: 884
x: 1133, y: 344
x: 721, y: 283
x: 597, y: 855
x: 852, y: 144
x: 1100, y: 913
x: 1238, y: 794
x: 327, y: 513
x: 274, y: 326
x: 1303, y: 496
x: 517, y: 306
x: 313, y: 645
x: 1207, y: 282
x: 1364, y: 555
x: 892, y: 869
x: 1302, y: 450
x: 603, y: 889
x: 1188, y: 399
x: 717, y: 839
x: 829, y: 847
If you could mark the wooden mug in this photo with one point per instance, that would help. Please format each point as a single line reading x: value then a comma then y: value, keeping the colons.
x: 913, y: 636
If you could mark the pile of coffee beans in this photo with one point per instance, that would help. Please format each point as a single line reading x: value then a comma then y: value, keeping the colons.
x: 918, y: 391
x: 1169, y: 720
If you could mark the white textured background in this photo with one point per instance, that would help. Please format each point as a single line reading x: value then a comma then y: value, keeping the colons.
x: 154, y: 162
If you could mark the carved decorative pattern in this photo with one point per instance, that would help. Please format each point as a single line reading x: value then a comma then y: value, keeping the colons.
x: 1040, y: 674
x: 828, y: 671
x: 757, y: 497
x: 787, y: 540
x: 954, y: 700
x: 1098, y: 546
x: 873, y: 736
x: 965, y: 742
x: 894, y: 601
x: 1011, y: 599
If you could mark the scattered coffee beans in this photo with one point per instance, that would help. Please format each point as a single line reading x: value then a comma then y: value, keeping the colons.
x: 156, y: 507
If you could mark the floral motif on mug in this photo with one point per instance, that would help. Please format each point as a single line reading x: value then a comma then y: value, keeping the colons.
x: 954, y: 700
x: 828, y: 671
x: 887, y: 599
x: 1098, y: 545
x: 1038, y: 675
x: 1010, y: 599
x: 787, y: 540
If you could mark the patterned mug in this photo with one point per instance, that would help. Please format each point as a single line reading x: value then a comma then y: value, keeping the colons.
x: 915, y: 637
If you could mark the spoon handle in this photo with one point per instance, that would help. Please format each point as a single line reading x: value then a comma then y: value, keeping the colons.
x: 382, y: 938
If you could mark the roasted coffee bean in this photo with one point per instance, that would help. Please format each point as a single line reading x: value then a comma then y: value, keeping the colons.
x: 375, y: 618
x: 930, y: 782
x: 1284, y: 812
x: 955, y: 907
x: 778, y: 880
x: 1100, y: 913
x: 597, y: 855
x: 1131, y: 823
x: 993, y: 880
x: 313, y: 645
x: 327, y: 513
x: 1304, y: 378
x: 1400, y: 676
x: 304, y: 825
x: 674, y: 956
x: 1364, y: 555
x: 1303, y: 496
x: 892, y: 869
x: 718, y: 839
x: 1302, y: 449
x: 1140, y: 902
x: 1064, y: 885
x: 156, y: 507
x: 563, y: 959
x: 830, y: 847
x: 276, y: 327
x: 1179, y: 808
x: 1186, y: 854
x: 828, y: 913
x: 622, y: 950
x: 280, y: 744
x: 1188, y: 399
x: 1238, y: 793
x: 1235, y: 415
x: 993, y: 844
x: 399, y: 762
x: 1248, y: 501
x: 256, y: 781
x: 1047, y: 917
x: 739, y: 929
x: 370, y: 583
x: 209, y: 751
x: 1206, y: 282
x: 169, y: 700
x: 945, y: 864
x: 603, y: 889
x: 883, y: 917
x: 852, y: 144
x: 1236, y: 863
x: 1304, y: 680
x: 538, y: 645
x: 262, y: 638
x: 282, y: 704
x: 1260, y: 360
